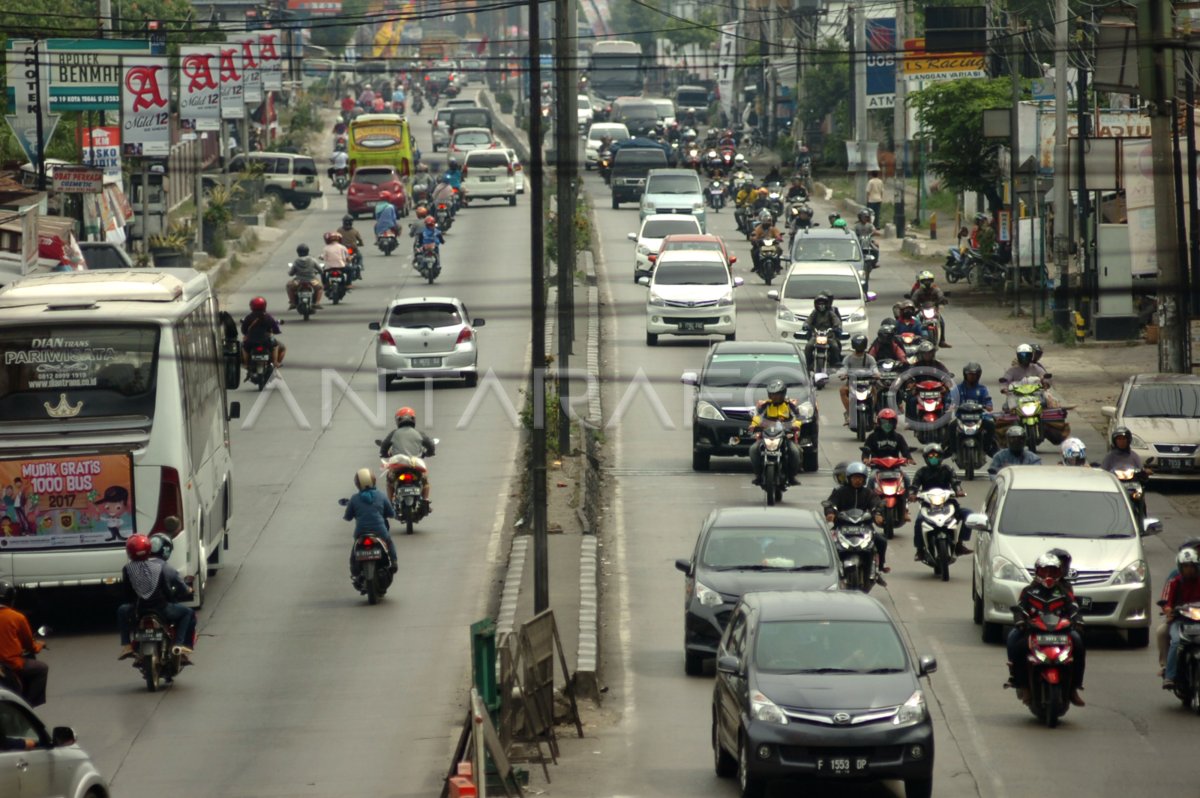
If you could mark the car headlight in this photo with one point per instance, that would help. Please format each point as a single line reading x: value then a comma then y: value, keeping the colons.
x: 726, y: 300
x: 709, y: 411
x: 858, y: 315
x: 1132, y: 574
x: 766, y: 710
x: 783, y: 314
x: 648, y: 207
x: 707, y: 596
x: 642, y: 249
x: 698, y: 207
x: 1005, y: 570
x: 806, y: 411
x: 912, y: 711
x: 656, y: 300
x: 1136, y: 442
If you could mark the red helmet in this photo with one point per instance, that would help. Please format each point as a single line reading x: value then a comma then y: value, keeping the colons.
x: 258, y: 305
x: 430, y: 221
x: 406, y: 415
x: 886, y: 414
x: 422, y: 211
x: 385, y: 195
x: 138, y: 547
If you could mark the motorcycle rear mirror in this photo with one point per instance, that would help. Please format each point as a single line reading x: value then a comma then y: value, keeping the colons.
x: 684, y: 566
x: 1152, y: 526
x: 1047, y: 375
x: 343, y: 502
x: 644, y: 281
x: 378, y: 442
x: 631, y: 236
x: 773, y: 295
x: 732, y: 259
x: 872, y: 296
x: 373, y: 326
x: 738, y: 282
x: 926, y: 665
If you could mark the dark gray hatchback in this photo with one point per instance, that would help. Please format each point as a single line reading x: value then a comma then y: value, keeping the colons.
x: 819, y: 685
x: 741, y: 549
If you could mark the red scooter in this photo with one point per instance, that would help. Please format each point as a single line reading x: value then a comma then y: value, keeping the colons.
x: 888, y: 481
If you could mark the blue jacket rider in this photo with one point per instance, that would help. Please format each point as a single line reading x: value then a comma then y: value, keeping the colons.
x: 1015, y: 454
x: 369, y: 510
x: 385, y: 215
x: 906, y: 320
x: 972, y: 390
x: 453, y: 173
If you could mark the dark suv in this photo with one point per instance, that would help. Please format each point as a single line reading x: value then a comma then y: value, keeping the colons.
x: 734, y: 379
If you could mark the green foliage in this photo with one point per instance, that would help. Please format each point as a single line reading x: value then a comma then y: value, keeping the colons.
x: 583, y: 227
x: 703, y: 31
x: 336, y: 36
x: 505, y: 100
x: 636, y: 22
x: 827, y: 93
x: 951, y: 118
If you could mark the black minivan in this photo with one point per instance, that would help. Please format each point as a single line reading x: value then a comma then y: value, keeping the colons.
x: 630, y: 166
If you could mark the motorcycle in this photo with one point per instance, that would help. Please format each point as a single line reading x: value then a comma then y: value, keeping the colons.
x: 968, y: 437
x: 306, y: 299
x: 799, y: 216
x: 155, y: 652
x: 444, y: 217
x: 335, y: 284
x: 1027, y: 402
x: 741, y: 216
x: 691, y: 159
x: 1187, y: 679
x: 939, y: 519
x: 387, y: 242
x: 604, y: 164
x: 888, y: 482
x: 1131, y: 481
x: 370, y: 553
x: 956, y: 266
x: 1050, y: 659
x: 985, y: 272
x: 341, y: 180
x: 406, y: 479
x: 11, y: 679
x: 426, y: 262
x: 261, y: 368
x: 862, y: 399
x: 354, y: 266
x: 775, y: 204
x: 774, y: 474
x: 854, y: 540
x: 770, y: 259
x: 713, y: 162
x: 910, y: 341
x: 889, y: 372
x: 418, y: 104
x: 716, y: 195
x: 822, y: 353
x: 930, y: 409
x: 931, y: 320
x: 870, y: 252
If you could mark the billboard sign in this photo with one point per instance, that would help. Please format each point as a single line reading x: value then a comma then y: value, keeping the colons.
x: 146, y: 108
x: 881, y: 62
x: 199, y: 88
x: 66, y: 501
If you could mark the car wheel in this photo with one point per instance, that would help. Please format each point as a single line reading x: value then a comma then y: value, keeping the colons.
x: 651, y: 339
x: 749, y: 785
x: 1138, y: 638
x: 435, y: 148
x: 512, y: 201
x: 301, y: 204
x: 273, y: 194
x: 616, y: 205
x: 724, y: 764
x: 472, y: 379
x: 918, y: 788
x: 700, y: 461
x: 976, y: 601
x: 693, y: 664
x: 991, y: 632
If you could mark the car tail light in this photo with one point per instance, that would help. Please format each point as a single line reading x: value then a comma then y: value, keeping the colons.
x: 170, y: 499
x: 510, y: 170
x: 293, y: 184
x: 464, y: 170
x: 385, y: 337
x: 465, y: 336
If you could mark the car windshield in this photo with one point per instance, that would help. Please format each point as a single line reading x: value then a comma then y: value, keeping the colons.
x: 1066, y: 514
x: 664, y: 109
x: 695, y: 246
x: 747, y: 370
x: 803, y: 286
x: 826, y: 249
x: 691, y: 274
x: 104, y: 258
x: 471, y: 139
x: 829, y: 647
x: 305, y: 166
x: 661, y: 228
x: 673, y: 184
x: 375, y: 177
x: 692, y: 98
x: 778, y: 548
x: 430, y: 315
x: 1163, y: 401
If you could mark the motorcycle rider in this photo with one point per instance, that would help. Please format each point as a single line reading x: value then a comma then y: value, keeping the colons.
x: 864, y: 226
x: 824, y: 316
x: 855, y: 495
x: 972, y: 390
x: 16, y: 641
x: 1182, y: 588
x: 422, y: 181
x: 369, y: 511
x: 776, y: 407
x: 885, y: 346
x: 906, y: 319
x: 431, y: 235
x: 765, y: 229
x: 304, y: 270
x: 1047, y: 592
x: 385, y: 215
x: 148, y: 584
x: 796, y: 191
x: 887, y: 441
x: 1026, y: 366
x: 924, y: 290
x: 1015, y: 453
x: 407, y: 440
x: 260, y: 327
x: 335, y: 254
x: 453, y: 173
x: 350, y: 236
x: 340, y: 163
x: 927, y: 362
x: 415, y: 228
x: 858, y: 360
x: 1161, y: 632
x: 443, y: 194
x: 938, y: 474
x: 1121, y: 456
x: 1074, y: 453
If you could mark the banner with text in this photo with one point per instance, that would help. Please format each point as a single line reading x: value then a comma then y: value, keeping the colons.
x: 101, y: 147
x: 233, y: 105
x: 199, y: 89
x: 270, y: 60
x: 66, y: 501
x: 922, y: 66
x: 252, y: 82
x: 145, y: 107
x: 727, y: 68
x: 881, y: 62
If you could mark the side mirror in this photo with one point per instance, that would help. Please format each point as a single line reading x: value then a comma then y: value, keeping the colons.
x: 977, y: 521
x: 926, y: 665
x: 644, y: 281
x: 1047, y: 375
x: 62, y: 736
x: 684, y: 566
x: 738, y: 282
x: 478, y: 322
x: 373, y: 326
x: 631, y: 236
x: 1152, y: 526
x: 690, y: 378
x: 343, y: 502
x: 1109, y: 411
x: 730, y: 665
x: 872, y: 296
x: 235, y: 410
x: 908, y: 294
x: 773, y: 294
x: 378, y: 442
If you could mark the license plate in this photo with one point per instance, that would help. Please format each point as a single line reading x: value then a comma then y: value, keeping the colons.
x: 410, y: 490
x: 691, y: 326
x: 487, y: 179
x: 426, y: 362
x: 1190, y: 629
x: 147, y: 636
x: 1171, y: 463
x: 841, y: 765
x: 1052, y: 640
x: 1085, y: 602
x: 368, y: 554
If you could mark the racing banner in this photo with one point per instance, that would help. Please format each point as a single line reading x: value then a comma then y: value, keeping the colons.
x: 66, y: 501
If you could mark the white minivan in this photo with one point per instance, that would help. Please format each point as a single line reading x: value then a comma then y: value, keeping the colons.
x: 489, y: 174
x: 690, y: 293
x: 804, y: 283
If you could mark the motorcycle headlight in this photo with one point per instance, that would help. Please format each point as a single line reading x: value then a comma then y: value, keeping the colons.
x: 707, y: 596
x: 858, y: 315
x: 708, y: 411
x: 656, y: 300
x: 806, y: 411
x: 783, y: 314
x: 912, y: 711
x: 766, y: 710
x: 1132, y: 574
x: 642, y: 249
x: 1005, y: 570
x: 726, y: 300
x: 1029, y: 409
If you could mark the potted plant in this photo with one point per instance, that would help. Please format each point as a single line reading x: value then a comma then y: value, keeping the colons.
x: 172, y: 248
x: 218, y: 213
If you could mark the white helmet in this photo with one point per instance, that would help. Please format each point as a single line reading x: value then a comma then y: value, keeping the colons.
x: 1073, y: 452
x: 363, y: 479
x: 1187, y: 557
x: 739, y: 159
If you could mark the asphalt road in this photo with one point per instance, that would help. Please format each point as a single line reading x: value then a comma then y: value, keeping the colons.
x: 300, y: 687
x: 988, y: 744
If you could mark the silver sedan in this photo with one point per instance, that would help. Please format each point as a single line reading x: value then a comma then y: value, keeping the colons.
x: 426, y: 337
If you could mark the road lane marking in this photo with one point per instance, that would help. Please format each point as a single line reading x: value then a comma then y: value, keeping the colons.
x: 964, y: 710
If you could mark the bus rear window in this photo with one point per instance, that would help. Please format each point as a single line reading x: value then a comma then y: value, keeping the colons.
x: 77, y: 371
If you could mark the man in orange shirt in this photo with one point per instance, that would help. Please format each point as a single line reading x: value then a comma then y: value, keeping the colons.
x: 16, y: 638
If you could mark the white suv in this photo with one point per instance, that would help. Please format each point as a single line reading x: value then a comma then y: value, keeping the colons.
x: 690, y: 293
x: 489, y: 174
x: 655, y: 228
x: 800, y: 290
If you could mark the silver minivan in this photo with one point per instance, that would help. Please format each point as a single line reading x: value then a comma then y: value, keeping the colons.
x: 1084, y: 511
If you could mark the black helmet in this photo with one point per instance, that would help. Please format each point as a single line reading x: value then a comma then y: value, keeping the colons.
x: 926, y: 347
x: 907, y: 308
x: 8, y: 593
x: 972, y: 368
x: 1121, y: 431
x: 865, y: 212
x: 839, y: 472
x: 347, y: 221
x: 887, y: 328
x: 859, y: 343
x: 302, y: 250
x: 776, y: 387
x: 1015, y: 437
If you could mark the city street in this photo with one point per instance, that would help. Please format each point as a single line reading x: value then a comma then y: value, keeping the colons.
x: 987, y: 743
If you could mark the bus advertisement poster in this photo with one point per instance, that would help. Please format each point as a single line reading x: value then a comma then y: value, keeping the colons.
x: 66, y: 501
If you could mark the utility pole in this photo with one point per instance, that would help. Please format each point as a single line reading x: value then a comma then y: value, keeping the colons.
x: 1014, y: 122
x: 566, y: 146
x: 900, y: 120
x: 1156, y: 62
x: 859, y: 58
x: 1062, y: 195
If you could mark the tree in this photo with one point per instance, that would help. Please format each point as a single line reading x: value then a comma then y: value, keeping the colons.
x: 637, y: 22
x: 336, y: 33
x: 702, y: 32
x: 950, y: 115
x: 827, y: 94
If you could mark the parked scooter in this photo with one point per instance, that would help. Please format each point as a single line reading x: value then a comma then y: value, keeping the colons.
x: 957, y: 265
x: 939, y: 521
x: 854, y: 540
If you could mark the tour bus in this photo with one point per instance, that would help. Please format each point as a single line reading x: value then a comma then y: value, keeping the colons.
x: 380, y: 140
x: 112, y: 419
x: 615, y: 69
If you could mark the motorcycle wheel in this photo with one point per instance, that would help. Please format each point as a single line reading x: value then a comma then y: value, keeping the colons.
x: 952, y: 276
x: 889, y: 528
x: 150, y: 667
x: 968, y: 461
x: 408, y: 524
x: 1193, y: 702
x: 975, y: 276
x: 336, y: 298
x: 943, y: 559
x: 431, y: 275
x: 768, y: 275
x: 305, y: 312
x: 369, y: 581
x: 853, y: 579
x: 769, y: 484
x: 860, y: 426
x: 1050, y: 704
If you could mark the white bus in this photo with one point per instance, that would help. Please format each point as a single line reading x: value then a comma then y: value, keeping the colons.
x: 112, y: 419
